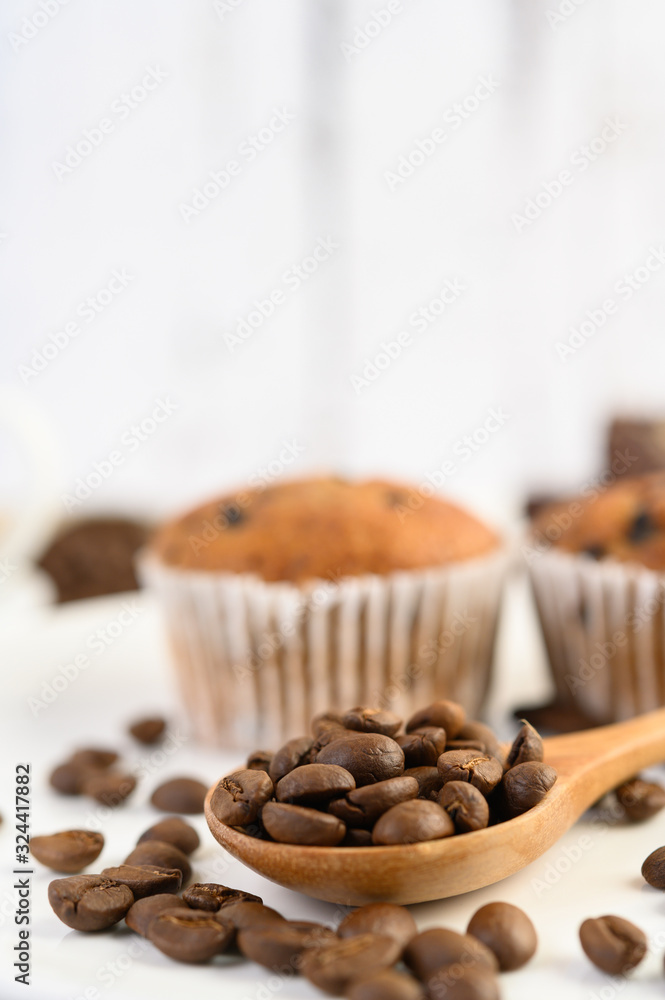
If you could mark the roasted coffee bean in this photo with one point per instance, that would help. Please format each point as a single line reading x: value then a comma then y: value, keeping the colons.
x: 653, y: 869
x: 145, y: 880
x: 317, y: 933
x: 466, y: 806
x: 468, y: 765
x: 314, y: 784
x: 108, y: 787
x: 180, y: 795
x: 507, y: 931
x: 640, y: 800
x: 363, y: 806
x: 148, y: 730
x: 259, y: 760
x: 333, y: 966
x: 387, y: 984
x: 247, y: 914
x: 238, y: 798
x: 527, y: 746
x: 429, y: 780
x: 212, y: 896
x: 189, y: 935
x: 476, y: 745
x: 369, y: 757
x: 357, y: 837
x: 526, y: 784
x: 380, y: 918
x: 70, y: 851
x: 326, y: 721
x: 372, y: 720
x: 459, y: 982
x: 478, y: 732
x: 67, y: 778
x: 94, y: 757
x: 160, y: 854
x: 89, y: 902
x: 299, y: 825
x: 277, y: 945
x: 443, y: 714
x: 143, y: 911
x: 613, y: 944
x: 428, y: 951
x: 174, y: 831
x: 294, y: 753
x: 412, y: 822
x: 422, y: 747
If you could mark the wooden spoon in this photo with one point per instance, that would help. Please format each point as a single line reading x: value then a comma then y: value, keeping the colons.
x: 588, y: 764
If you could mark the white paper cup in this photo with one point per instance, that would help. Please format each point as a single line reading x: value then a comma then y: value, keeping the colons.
x: 604, y: 630
x: 255, y: 661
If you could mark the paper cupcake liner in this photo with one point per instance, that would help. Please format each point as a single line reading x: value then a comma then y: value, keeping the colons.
x: 604, y: 631
x: 255, y: 661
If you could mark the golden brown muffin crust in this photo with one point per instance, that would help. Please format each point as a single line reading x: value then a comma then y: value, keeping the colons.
x: 322, y: 529
x: 625, y: 522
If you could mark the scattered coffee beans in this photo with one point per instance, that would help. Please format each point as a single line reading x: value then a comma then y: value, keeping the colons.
x: 247, y: 914
x: 94, y: 757
x: 145, y: 880
x: 189, y: 935
x: 460, y: 982
x: 212, y: 896
x: 653, y: 869
x: 640, y: 800
x: 141, y: 912
x: 108, y: 787
x: 428, y: 951
x: 332, y: 967
x: 70, y: 851
x: 89, y: 902
x: 613, y: 944
x: 388, y: 919
x: 180, y: 795
x: 148, y: 730
x: 173, y: 830
x: 162, y: 855
x: 387, y: 984
x: 278, y: 945
x: 507, y: 931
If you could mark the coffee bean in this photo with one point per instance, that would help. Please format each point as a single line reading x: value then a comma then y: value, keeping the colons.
x: 363, y: 806
x: 148, y: 730
x: 143, y: 911
x: 507, y: 931
x: 476, y: 745
x: 457, y: 982
x: 299, y: 825
x: 428, y: 951
x: 238, y: 798
x: 443, y: 714
x: 160, y: 854
x: 108, y: 787
x: 357, y: 837
x: 478, y: 732
x: 145, y: 880
x: 317, y: 933
x: 326, y: 721
x: 388, y: 919
x: 173, y: 830
x: 412, y: 822
x: 259, y: 761
x: 387, y: 984
x: 314, y: 784
x: 212, y: 896
x: 247, y: 914
x: 189, y: 935
x: 466, y: 806
x: 642, y: 527
x: 294, y: 753
x: 640, y: 800
x: 94, y: 757
x: 423, y: 747
x: 180, y: 795
x: 67, y: 778
x: 70, y: 851
x: 613, y: 944
x: 334, y: 966
x: 653, y: 869
x: 277, y: 945
x: 527, y: 746
x: 483, y: 772
x: 89, y: 902
x: 372, y: 720
x: 429, y: 780
x: 525, y: 785
x: 369, y: 757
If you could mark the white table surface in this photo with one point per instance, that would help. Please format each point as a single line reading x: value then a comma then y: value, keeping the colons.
x: 130, y: 678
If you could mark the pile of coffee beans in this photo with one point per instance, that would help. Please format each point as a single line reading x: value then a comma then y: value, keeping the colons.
x: 359, y: 781
x: 376, y: 952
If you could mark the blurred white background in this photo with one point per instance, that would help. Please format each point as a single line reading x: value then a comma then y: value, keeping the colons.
x: 416, y: 144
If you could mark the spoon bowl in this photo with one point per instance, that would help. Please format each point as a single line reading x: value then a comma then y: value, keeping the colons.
x: 588, y: 765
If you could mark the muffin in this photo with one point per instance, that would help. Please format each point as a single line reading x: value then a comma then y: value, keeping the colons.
x: 286, y: 600
x: 597, y: 566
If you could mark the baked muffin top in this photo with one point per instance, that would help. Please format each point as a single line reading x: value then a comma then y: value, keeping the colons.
x: 625, y: 522
x: 322, y: 529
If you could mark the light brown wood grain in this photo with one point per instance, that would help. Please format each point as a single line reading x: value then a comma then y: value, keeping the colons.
x: 588, y: 764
